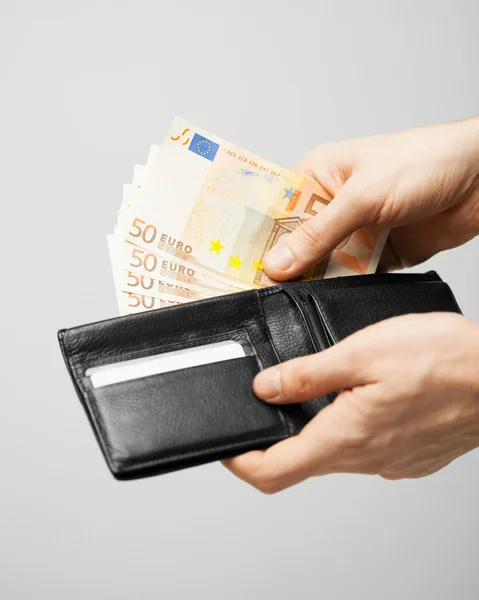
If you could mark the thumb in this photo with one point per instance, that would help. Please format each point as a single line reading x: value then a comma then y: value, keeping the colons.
x: 343, y: 366
x: 317, y: 237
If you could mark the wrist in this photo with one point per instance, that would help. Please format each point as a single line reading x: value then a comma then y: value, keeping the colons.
x: 467, y: 144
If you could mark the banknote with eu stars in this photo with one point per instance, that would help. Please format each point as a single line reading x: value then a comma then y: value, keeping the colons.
x: 200, y: 215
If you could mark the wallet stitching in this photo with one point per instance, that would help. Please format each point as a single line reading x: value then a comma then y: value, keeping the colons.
x: 269, y: 291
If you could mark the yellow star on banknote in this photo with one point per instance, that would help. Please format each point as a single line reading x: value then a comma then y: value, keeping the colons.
x: 216, y: 246
x: 235, y: 262
x: 258, y: 265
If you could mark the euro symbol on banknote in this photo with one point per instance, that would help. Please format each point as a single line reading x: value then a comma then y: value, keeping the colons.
x: 182, y: 135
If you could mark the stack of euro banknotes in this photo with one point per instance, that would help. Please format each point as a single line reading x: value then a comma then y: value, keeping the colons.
x: 202, y: 213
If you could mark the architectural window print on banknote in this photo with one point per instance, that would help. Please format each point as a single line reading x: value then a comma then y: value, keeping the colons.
x: 206, y: 207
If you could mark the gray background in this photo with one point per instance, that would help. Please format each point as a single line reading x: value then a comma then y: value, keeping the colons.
x: 95, y: 83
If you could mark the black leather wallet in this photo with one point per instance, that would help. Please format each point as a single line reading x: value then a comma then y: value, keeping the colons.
x: 153, y: 423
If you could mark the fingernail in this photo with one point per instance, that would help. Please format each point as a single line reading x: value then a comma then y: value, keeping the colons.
x: 280, y: 257
x: 267, y: 384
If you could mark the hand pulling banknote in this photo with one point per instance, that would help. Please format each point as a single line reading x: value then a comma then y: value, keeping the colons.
x: 201, y: 214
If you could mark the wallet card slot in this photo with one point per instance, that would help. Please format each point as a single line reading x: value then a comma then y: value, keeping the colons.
x: 155, y: 364
x: 182, y: 417
x: 181, y: 344
x: 185, y: 325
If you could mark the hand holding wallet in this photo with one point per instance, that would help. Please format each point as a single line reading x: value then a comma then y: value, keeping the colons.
x: 149, y: 419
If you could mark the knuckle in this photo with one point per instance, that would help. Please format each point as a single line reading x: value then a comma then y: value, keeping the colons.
x: 268, y: 478
x: 268, y: 490
x: 360, y: 416
x: 354, y: 443
x: 306, y: 163
x: 300, y: 383
x: 269, y: 484
x: 358, y: 195
x: 316, y: 156
x: 363, y: 199
x: 374, y: 202
x: 311, y: 234
x: 424, y: 370
x: 356, y: 361
x: 384, y: 211
x: 374, y: 466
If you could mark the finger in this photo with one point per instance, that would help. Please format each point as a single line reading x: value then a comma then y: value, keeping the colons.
x: 334, y: 441
x: 320, y: 235
x: 341, y: 367
x: 288, y: 462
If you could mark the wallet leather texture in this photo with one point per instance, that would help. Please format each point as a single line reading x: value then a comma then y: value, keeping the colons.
x: 172, y: 420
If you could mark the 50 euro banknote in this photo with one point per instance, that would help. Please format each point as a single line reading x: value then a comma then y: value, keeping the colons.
x: 139, y: 174
x: 143, y: 280
x: 130, y: 303
x: 138, y: 272
x: 147, y: 267
x: 138, y: 292
x: 217, y: 209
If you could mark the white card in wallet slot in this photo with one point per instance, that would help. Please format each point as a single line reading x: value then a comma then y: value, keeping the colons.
x: 146, y: 366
